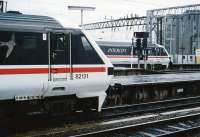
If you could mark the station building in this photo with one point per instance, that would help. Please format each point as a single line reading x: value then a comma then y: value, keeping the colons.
x: 181, y: 36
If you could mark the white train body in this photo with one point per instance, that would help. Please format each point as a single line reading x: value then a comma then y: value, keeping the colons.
x: 123, y: 53
x: 41, y: 61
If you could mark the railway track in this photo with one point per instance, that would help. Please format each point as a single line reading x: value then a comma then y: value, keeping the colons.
x: 154, y: 125
x: 149, y: 107
x: 176, y: 128
x: 143, y: 111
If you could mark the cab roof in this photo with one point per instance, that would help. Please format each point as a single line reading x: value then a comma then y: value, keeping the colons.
x: 27, y: 23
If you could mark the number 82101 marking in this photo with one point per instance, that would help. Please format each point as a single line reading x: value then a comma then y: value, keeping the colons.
x: 81, y: 76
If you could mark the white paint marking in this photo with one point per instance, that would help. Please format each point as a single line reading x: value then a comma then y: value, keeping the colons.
x: 181, y: 111
x: 128, y: 119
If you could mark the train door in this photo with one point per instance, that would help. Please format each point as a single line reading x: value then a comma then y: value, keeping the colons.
x: 60, y: 56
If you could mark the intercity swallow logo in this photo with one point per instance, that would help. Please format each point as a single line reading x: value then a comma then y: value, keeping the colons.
x: 117, y: 50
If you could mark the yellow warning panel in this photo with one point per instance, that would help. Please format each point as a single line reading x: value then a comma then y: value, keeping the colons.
x: 198, y: 56
x: 198, y: 59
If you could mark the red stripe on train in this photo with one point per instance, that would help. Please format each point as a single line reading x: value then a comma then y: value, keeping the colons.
x: 53, y: 70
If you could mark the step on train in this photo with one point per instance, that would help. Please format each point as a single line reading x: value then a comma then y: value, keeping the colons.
x: 124, y: 54
x: 45, y: 66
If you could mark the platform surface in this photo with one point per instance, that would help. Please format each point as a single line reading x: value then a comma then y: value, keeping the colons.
x: 155, y: 78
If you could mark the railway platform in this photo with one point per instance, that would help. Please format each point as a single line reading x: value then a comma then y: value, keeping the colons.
x: 133, y: 89
x: 155, y: 79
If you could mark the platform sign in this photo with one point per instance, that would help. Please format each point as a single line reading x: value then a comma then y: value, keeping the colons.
x: 198, y: 56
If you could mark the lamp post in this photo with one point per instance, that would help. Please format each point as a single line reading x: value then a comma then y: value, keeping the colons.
x: 1, y: 6
x: 81, y: 8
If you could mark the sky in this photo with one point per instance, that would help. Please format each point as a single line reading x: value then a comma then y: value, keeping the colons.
x: 105, y: 9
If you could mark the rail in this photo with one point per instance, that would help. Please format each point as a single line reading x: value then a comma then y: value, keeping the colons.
x: 156, y: 125
x: 123, y: 119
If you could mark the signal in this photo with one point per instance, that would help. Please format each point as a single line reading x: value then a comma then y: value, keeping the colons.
x: 138, y: 43
x: 141, y: 44
x: 144, y: 43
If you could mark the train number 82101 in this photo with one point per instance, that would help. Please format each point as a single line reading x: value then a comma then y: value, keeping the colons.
x: 81, y: 76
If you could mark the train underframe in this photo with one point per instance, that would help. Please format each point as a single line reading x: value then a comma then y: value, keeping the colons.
x: 57, y: 105
x: 135, y: 94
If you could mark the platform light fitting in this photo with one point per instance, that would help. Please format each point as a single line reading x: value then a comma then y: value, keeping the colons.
x: 81, y: 8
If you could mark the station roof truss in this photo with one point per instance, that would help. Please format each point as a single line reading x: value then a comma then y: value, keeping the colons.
x: 173, y: 10
x: 124, y: 22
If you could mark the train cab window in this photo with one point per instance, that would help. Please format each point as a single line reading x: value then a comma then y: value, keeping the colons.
x: 86, y: 45
x: 83, y: 52
x: 149, y: 50
x: 30, y: 49
x: 59, y: 43
x: 134, y: 52
x: 29, y: 42
x: 59, y: 51
x: 24, y: 48
x: 154, y: 51
x: 157, y: 51
x: 163, y: 53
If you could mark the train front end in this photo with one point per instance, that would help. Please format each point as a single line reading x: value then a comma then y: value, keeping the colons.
x: 47, y: 67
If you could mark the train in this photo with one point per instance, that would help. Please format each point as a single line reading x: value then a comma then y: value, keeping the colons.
x: 48, y: 67
x: 124, y: 54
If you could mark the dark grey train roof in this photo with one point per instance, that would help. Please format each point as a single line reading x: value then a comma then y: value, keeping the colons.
x: 23, y: 22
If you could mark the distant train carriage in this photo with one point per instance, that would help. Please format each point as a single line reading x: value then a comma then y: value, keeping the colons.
x: 123, y: 54
x: 117, y: 52
x: 158, y: 55
x: 45, y: 66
